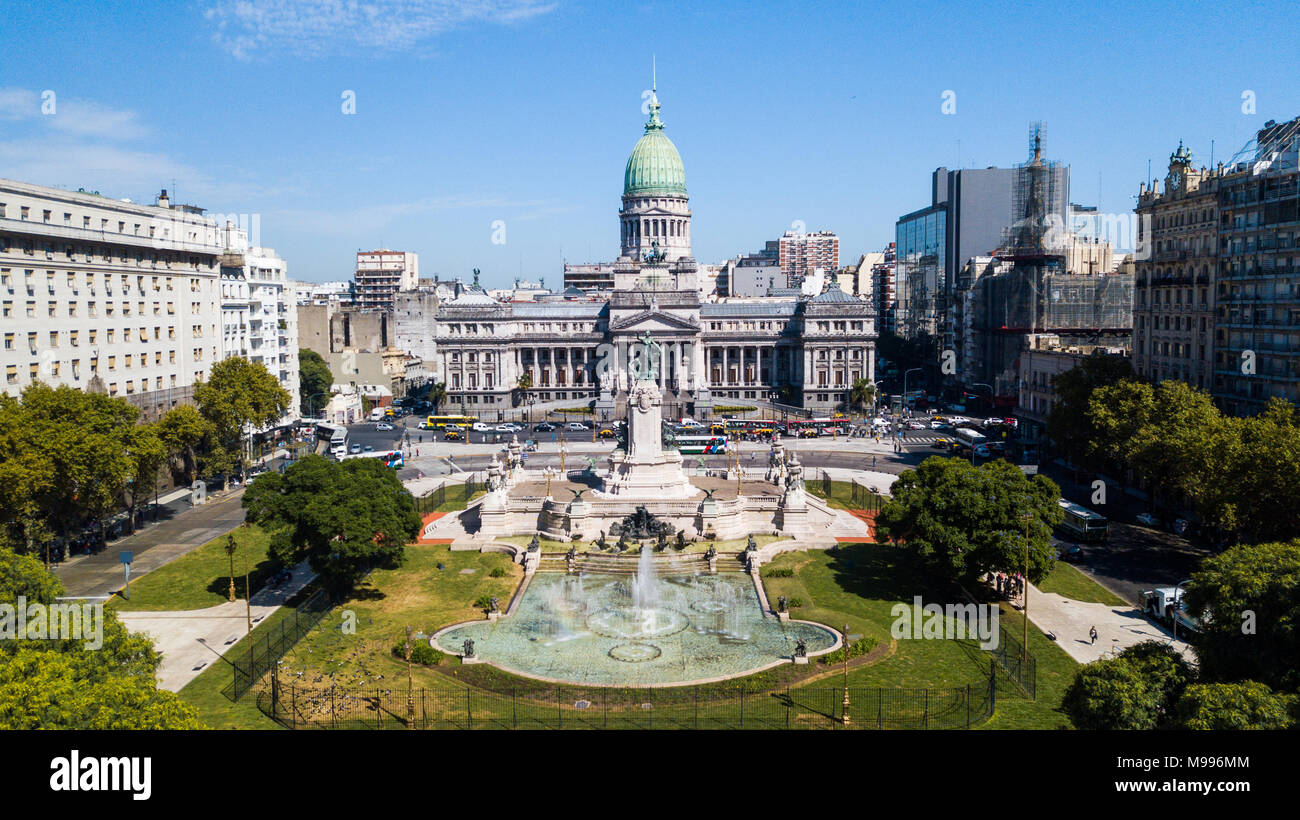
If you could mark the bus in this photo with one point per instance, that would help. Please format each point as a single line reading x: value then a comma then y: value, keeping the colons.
x: 821, y: 426
x: 1082, y: 523
x: 700, y: 445
x: 441, y: 422
x: 970, y: 438
x: 761, y: 427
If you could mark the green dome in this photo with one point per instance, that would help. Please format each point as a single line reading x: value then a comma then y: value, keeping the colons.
x: 655, y: 167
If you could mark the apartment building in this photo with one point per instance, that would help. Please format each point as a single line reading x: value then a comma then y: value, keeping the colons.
x: 106, y: 294
x: 259, y: 311
x: 799, y: 254
x: 1174, y: 290
x: 383, y: 273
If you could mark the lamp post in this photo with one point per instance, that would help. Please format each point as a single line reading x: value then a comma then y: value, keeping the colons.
x: 992, y: 393
x: 230, y: 553
x: 907, y: 373
x: 248, y: 590
x: 1024, y: 636
x: 407, y: 649
x: 845, y: 720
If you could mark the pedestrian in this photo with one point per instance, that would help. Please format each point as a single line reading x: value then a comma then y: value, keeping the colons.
x: 1092, y: 633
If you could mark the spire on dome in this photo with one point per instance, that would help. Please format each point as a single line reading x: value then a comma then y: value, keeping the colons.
x: 655, y: 122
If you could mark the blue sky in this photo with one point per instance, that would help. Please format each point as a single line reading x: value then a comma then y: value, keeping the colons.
x: 524, y: 112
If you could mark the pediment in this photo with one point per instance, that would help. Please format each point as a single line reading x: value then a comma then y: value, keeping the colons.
x: 651, y: 321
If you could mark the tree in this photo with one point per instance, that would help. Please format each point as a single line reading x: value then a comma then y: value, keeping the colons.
x: 1069, y: 425
x: 862, y: 393
x: 63, y: 684
x: 147, y: 454
x: 184, y: 433
x: 1252, y: 486
x: 437, y: 395
x: 240, y: 396
x: 314, y: 379
x: 1245, y: 705
x: 1248, y: 602
x: 1139, y: 689
x: 966, y: 521
x: 343, y: 517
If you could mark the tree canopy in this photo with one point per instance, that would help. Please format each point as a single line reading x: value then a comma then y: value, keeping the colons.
x: 314, y: 380
x: 1248, y: 600
x: 1069, y: 424
x: 343, y: 517
x: 965, y: 521
x: 239, y: 395
x: 62, y: 684
x: 1246, y: 705
x: 1139, y: 689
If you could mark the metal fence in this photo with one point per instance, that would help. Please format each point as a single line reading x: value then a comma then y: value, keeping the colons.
x: 577, y: 707
x: 269, y: 645
x: 448, y: 491
x: 1018, y: 664
x: 860, y: 496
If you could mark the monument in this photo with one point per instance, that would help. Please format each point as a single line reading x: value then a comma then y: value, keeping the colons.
x: 647, y: 470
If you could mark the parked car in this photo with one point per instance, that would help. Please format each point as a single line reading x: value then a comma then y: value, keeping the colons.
x: 576, y: 426
x: 355, y: 448
x: 367, y: 449
x: 544, y: 427
x: 1148, y: 519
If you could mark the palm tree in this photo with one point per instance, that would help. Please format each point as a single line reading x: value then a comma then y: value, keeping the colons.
x: 862, y: 394
x: 437, y: 395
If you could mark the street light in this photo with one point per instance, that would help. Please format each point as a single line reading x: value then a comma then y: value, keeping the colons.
x: 907, y: 373
x: 1024, y: 636
x: 845, y: 719
x: 230, y: 553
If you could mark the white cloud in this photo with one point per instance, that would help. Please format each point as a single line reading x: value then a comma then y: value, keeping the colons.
x: 315, y: 28
x: 70, y: 115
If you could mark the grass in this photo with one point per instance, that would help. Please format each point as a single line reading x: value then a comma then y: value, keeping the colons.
x: 457, y: 504
x: 841, y: 496
x: 860, y: 584
x: 353, y: 642
x: 1069, y: 582
x: 201, y: 578
x: 204, y: 692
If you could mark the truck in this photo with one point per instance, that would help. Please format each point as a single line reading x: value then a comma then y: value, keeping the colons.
x: 1166, y: 605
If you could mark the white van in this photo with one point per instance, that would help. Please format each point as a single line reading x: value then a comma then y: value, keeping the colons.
x: 377, y: 414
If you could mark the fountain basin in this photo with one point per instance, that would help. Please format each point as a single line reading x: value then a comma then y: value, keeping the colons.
x: 586, y: 629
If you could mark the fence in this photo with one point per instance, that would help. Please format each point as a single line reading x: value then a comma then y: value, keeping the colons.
x: 448, y: 492
x: 272, y: 643
x: 859, y: 496
x: 1019, y: 665
x: 577, y: 707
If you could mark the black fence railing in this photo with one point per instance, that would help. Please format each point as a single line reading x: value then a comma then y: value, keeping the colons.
x: 448, y: 492
x: 270, y: 644
x: 858, y: 495
x: 577, y: 707
x: 1020, y: 666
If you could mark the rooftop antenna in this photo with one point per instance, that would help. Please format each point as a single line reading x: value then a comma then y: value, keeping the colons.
x: 654, y: 74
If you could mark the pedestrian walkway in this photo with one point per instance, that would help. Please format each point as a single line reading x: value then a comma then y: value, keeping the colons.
x: 191, y: 640
x: 1118, y: 627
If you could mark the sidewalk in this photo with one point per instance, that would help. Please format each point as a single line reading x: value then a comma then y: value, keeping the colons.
x: 190, y: 640
x: 1117, y: 627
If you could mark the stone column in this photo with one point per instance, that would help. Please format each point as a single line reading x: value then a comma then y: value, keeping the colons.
x: 726, y: 365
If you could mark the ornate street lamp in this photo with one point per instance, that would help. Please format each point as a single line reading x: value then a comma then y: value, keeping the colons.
x: 230, y: 553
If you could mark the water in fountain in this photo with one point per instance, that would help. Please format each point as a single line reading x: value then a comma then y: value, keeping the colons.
x: 645, y: 584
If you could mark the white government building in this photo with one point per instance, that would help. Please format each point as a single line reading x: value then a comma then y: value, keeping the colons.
x: 800, y: 351
x: 137, y: 301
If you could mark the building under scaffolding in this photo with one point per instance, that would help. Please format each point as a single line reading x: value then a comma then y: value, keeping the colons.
x: 1029, y: 290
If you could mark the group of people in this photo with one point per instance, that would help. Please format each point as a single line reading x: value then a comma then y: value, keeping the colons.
x: 1009, y: 586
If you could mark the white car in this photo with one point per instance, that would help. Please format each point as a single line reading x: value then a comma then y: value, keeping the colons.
x: 576, y: 426
x: 480, y: 427
x: 383, y: 425
x: 915, y: 425
x: 937, y: 425
x: 507, y: 428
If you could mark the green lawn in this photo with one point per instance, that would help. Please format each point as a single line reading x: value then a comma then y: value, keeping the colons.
x: 859, y: 584
x: 201, y: 578
x: 215, y: 709
x: 841, y: 497
x: 1071, y: 583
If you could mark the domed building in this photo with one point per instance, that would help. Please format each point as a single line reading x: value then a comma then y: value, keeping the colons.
x: 795, y: 351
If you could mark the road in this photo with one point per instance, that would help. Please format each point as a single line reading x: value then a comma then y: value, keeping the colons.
x: 174, y: 535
